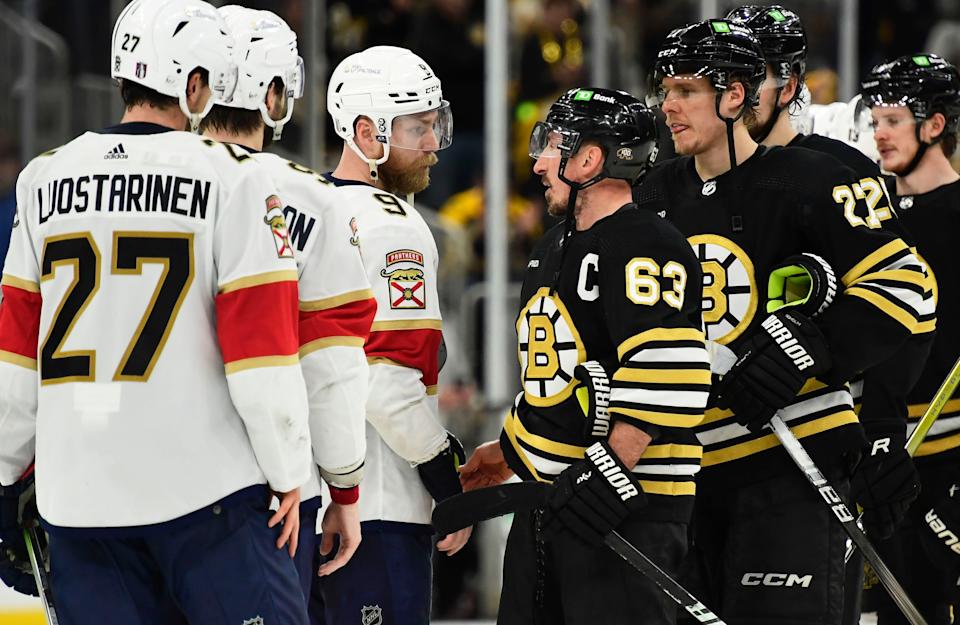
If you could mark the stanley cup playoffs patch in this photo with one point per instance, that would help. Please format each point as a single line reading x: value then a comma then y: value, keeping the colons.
x: 278, y: 226
x: 405, y: 279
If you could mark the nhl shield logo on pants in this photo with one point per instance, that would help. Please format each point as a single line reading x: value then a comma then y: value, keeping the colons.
x: 371, y: 615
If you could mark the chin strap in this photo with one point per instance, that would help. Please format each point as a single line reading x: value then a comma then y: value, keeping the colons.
x: 921, y: 150
x: 764, y: 131
x: 570, y: 219
x: 729, y: 121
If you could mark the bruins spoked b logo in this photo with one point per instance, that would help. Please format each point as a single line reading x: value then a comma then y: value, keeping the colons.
x: 729, y: 287
x: 549, y: 349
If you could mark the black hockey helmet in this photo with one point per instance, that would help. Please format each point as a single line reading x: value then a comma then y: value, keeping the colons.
x: 714, y: 49
x: 925, y: 83
x: 620, y: 123
x: 781, y: 35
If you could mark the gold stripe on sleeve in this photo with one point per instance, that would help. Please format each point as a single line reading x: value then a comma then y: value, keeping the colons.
x: 18, y: 360
x: 659, y: 334
x: 893, y: 247
x: 20, y: 283
x: 330, y: 341
x: 337, y: 300
x: 263, y: 278
x: 261, y: 362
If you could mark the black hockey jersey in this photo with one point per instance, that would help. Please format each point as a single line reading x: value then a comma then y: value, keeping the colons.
x: 931, y: 218
x: 843, y: 152
x: 784, y: 201
x: 627, y: 295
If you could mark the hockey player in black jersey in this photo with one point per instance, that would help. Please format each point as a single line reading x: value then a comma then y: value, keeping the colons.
x: 745, y: 207
x: 615, y: 375
x: 915, y: 105
x: 885, y: 482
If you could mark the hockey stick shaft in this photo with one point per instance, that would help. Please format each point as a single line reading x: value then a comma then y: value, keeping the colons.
x: 40, y: 575
x: 473, y: 506
x: 847, y: 520
x: 940, y: 399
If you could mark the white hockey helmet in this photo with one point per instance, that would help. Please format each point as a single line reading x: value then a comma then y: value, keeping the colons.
x: 265, y: 48
x: 391, y: 86
x: 157, y: 43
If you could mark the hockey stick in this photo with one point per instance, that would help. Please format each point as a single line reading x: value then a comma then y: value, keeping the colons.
x: 847, y: 520
x: 933, y: 411
x: 471, y: 507
x: 40, y: 575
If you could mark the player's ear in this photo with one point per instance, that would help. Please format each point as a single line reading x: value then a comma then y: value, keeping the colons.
x: 733, y: 97
x: 933, y: 126
x: 593, y: 160
x: 196, y: 90
x: 365, y: 136
x: 789, y: 90
x: 275, y: 100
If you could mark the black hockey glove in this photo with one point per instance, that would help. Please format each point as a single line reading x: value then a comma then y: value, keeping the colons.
x: 594, y: 397
x: 885, y: 482
x: 941, y: 530
x: 441, y: 474
x: 15, y: 569
x: 804, y: 282
x: 772, y: 367
x: 592, y: 497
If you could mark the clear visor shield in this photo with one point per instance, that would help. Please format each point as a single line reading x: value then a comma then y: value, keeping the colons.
x: 294, y: 80
x: 552, y: 141
x: 428, y: 131
x: 224, y: 83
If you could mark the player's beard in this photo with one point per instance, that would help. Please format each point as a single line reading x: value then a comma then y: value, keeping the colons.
x: 412, y: 178
x: 558, y: 207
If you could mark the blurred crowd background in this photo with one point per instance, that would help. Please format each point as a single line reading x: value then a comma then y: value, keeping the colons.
x: 54, y: 61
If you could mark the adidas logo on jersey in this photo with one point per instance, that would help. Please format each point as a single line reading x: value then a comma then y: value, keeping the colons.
x: 611, y: 471
x: 117, y: 152
x: 787, y: 343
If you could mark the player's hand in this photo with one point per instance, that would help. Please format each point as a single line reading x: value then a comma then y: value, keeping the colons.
x: 289, y: 515
x: 486, y: 467
x: 343, y: 521
x: 15, y: 569
x: 452, y: 543
x: 886, y: 481
x: 772, y: 367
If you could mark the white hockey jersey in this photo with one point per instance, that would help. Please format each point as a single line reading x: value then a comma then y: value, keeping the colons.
x: 336, y: 310
x: 148, y: 332
x: 403, y: 425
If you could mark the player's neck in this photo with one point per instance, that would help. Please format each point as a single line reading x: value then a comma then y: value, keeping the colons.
x: 351, y: 167
x: 933, y: 171
x: 252, y: 140
x: 169, y: 117
x: 715, y: 160
x: 782, y: 132
x: 601, y: 200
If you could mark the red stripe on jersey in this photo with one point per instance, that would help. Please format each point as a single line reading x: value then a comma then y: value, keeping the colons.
x: 258, y: 321
x: 351, y: 319
x: 20, y: 321
x: 417, y: 349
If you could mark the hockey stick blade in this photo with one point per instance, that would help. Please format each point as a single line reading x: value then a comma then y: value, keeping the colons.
x: 40, y: 575
x: 471, y: 507
x: 846, y: 518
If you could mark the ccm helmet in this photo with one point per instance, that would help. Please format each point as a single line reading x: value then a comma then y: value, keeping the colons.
x: 390, y: 86
x: 158, y: 43
x: 623, y: 126
x: 924, y: 83
x: 265, y: 48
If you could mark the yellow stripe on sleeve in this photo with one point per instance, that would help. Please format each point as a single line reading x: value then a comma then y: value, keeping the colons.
x: 261, y: 363
x: 662, y: 376
x: 337, y: 300
x: 330, y: 341
x: 666, y: 419
x: 672, y: 450
x: 260, y: 279
x: 659, y: 334
x: 892, y: 310
x: 893, y: 247
x: 18, y: 360
x: 668, y: 488
x: 20, y: 283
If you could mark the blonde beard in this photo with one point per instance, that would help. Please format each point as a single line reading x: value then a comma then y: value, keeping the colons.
x: 413, y: 179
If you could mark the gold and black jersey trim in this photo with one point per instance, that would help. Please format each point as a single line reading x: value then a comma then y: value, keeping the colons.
x: 818, y: 410
x: 892, y: 279
x: 664, y: 469
x: 944, y: 434
x: 664, y: 378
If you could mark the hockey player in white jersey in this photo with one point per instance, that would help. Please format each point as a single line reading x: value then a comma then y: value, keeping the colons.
x: 336, y: 303
x: 148, y: 352
x: 388, y: 107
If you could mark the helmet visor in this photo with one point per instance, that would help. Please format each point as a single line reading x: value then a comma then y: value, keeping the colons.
x: 427, y: 131
x: 552, y: 141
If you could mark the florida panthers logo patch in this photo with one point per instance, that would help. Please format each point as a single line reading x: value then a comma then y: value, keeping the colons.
x: 549, y: 348
x: 278, y: 226
x: 405, y: 280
